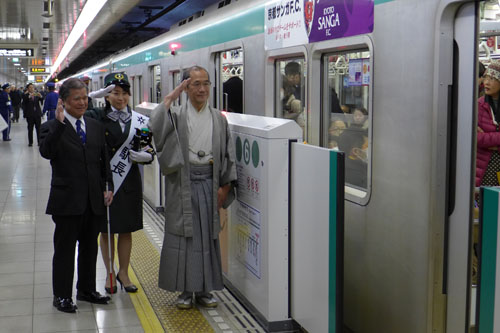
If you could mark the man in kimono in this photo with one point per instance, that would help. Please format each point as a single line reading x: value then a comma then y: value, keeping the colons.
x: 196, y: 155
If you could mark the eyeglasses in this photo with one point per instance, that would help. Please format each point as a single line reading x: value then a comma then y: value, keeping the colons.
x: 198, y: 84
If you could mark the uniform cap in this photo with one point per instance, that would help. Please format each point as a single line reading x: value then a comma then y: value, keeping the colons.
x: 493, y: 70
x: 51, y: 84
x: 120, y: 79
x: 5, y: 86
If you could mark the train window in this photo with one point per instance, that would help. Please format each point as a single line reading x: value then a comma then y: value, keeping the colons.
x: 177, y: 78
x: 137, y: 92
x: 231, y: 72
x: 155, y: 74
x: 291, y: 100
x: 132, y: 89
x: 345, y: 106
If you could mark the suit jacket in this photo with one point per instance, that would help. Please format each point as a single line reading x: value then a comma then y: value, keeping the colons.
x: 5, y: 102
x: 31, y: 107
x: 126, y: 210
x: 79, y: 172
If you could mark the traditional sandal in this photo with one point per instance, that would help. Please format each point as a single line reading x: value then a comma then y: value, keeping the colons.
x: 207, y: 300
x: 184, y: 301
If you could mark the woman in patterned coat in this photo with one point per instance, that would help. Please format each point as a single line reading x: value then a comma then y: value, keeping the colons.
x: 488, y: 136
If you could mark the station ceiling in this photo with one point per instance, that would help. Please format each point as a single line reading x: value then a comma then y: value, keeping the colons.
x: 119, y: 25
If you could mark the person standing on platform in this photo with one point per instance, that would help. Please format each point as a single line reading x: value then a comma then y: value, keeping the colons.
x: 5, y: 109
x: 15, y: 98
x: 120, y: 124
x: 50, y: 103
x: 196, y: 155
x: 32, y: 112
x: 76, y: 148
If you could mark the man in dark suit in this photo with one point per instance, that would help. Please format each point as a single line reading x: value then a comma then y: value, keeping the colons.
x: 32, y: 112
x: 76, y: 148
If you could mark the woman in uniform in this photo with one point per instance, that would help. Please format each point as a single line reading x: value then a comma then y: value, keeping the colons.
x: 121, y: 124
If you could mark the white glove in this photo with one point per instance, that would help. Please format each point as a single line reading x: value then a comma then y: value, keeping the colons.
x: 102, y: 92
x: 140, y: 156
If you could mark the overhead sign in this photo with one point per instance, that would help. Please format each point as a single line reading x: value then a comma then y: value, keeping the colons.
x: 37, y: 62
x: 7, y: 52
x: 39, y: 78
x: 298, y: 22
x: 35, y: 70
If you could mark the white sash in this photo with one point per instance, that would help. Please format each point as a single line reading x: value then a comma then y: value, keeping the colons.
x: 120, y: 163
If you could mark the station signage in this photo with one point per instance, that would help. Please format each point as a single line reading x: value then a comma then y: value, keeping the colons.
x: 11, y: 52
x: 38, y: 70
x: 37, y: 62
x: 299, y: 22
x: 39, y: 78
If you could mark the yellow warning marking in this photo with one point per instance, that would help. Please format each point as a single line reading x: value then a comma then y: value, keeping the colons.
x: 145, y: 312
x: 145, y: 261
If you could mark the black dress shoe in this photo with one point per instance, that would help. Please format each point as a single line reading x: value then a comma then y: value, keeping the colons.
x: 64, y: 304
x: 92, y: 297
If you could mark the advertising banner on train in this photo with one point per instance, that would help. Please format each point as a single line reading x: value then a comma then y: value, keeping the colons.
x: 298, y: 22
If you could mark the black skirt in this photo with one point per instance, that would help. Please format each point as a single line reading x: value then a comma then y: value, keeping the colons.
x: 126, y: 209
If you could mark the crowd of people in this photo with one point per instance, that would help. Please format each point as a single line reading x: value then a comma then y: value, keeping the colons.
x: 96, y: 156
x: 348, y: 132
x: 27, y: 101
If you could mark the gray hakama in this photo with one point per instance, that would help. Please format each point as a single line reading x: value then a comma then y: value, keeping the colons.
x: 193, y: 264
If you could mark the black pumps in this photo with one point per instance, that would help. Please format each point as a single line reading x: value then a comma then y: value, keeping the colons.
x: 130, y: 289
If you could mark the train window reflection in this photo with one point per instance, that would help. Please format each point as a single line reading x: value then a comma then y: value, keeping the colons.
x: 177, y: 78
x: 231, y: 71
x: 345, y: 104
x: 291, y: 79
x: 155, y: 93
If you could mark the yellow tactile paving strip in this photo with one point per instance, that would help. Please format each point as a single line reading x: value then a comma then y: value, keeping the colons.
x: 145, y: 261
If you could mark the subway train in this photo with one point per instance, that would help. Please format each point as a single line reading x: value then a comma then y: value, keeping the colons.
x: 411, y: 77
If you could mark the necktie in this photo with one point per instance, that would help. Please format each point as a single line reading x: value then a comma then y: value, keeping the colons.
x: 80, y: 131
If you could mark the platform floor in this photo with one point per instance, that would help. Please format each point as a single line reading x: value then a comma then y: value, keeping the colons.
x: 26, y: 260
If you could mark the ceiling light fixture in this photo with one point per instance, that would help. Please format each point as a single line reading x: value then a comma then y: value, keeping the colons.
x: 87, y: 15
x: 49, y: 5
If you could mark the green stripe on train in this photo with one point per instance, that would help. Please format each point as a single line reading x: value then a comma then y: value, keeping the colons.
x: 489, y: 236
x: 332, y: 253
x: 231, y: 29
x: 228, y: 30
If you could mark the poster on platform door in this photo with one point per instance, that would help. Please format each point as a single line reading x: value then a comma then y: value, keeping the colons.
x: 248, y: 206
x: 298, y: 22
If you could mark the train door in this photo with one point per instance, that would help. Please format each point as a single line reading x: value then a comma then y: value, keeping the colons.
x: 230, y: 80
x: 155, y: 86
x: 132, y: 89
x: 137, y: 93
x: 176, y: 80
x: 456, y: 113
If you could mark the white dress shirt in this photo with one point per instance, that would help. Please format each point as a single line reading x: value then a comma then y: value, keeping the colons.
x: 73, y: 120
x: 120, y: 121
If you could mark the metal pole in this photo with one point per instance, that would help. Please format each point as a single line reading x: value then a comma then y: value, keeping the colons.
x: 109, y: 247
